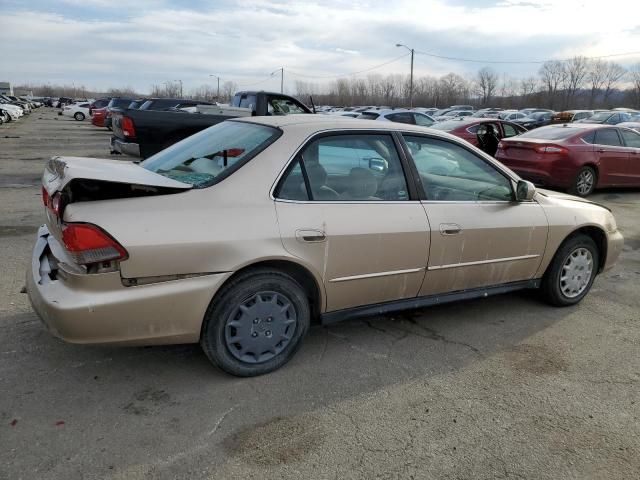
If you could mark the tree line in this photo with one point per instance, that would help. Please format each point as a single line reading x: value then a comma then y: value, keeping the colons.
x: 578, y: 83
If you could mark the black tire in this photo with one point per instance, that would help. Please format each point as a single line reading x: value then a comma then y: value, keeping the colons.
x: 553, y: 288
x: 274, y: 290
x: 79, y: 116
x: 585, y: 182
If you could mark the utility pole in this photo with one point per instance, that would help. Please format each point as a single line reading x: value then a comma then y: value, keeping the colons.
x: 218, y: 94
x: 411, y: 77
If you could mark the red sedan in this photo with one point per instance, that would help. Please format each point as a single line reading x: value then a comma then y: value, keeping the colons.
x: 578, y: 157
x: 98, y: 116
x: 484, y: 133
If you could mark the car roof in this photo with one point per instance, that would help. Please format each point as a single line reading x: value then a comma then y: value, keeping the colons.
x: 326, y: 122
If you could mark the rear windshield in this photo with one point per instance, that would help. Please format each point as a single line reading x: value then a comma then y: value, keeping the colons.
x: 447, y: 126
x: 209, y: 156
x: 119, y: 102
x: 600, y: 116
x: 551, y: 133
x: 162, y: 104
x: 369, y: 115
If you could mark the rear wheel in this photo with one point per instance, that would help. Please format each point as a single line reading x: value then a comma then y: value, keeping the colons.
x: 572, y: 271
x: 256, y: 323
x: 585, y: 182
x: 79, y: 116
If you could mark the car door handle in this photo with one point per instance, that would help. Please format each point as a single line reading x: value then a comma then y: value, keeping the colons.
x: 601, y: 150
x: 450, y: 229
x: 310, y: 235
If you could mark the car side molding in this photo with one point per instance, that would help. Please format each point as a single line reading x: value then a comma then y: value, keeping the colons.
x: 426, y: 301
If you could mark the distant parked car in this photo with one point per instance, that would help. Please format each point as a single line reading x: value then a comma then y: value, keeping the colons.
x: 609, y: 118
x: 484, y: 133
x: 529, y: 111
x: 453, y: 114
x: 511, y: 115
x: 576, y: 156
x: 99, y: 103
x: 98, y: 116
x: 399, y: 116
x: 79, y: 111
x: 569, y: 116
x: 535, y: 120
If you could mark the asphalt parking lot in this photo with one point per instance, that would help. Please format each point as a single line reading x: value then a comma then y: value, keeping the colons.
x: 505, y: 387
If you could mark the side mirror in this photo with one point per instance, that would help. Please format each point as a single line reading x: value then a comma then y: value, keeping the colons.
x: 525, y: 191
x: 377, y: 164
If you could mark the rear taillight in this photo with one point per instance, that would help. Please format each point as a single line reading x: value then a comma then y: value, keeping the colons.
x: 128, y: 129
x: 550, y: 149
x: 45, y: 197
x: 87, y: 243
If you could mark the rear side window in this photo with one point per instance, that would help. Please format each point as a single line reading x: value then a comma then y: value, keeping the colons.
x: 631, y: 139
x: 404, y: 117
x: 342, y: 168
x: 509, y: 130
x: 215, y: 153
x: 369, y: 115
x: 423, y: 120
x: 608, y: 136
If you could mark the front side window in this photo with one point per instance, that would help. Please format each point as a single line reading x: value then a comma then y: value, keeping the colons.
x: 608, y: 136
x: 450, y: 172
x: 212, y: 154
x: 613, y: 119
x: 358, y: 167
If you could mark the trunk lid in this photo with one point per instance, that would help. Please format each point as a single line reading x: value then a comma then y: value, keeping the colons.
x: 69, y: 180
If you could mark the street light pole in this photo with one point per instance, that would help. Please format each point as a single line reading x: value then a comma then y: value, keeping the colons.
x: 411, y: 77
x: 281, y: 70
x: 218, y: 94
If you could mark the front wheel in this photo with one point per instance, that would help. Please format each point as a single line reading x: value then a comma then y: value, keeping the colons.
x: 571, y: 272
x: 585, y: 182
x: 256, y: 323
x: 79, y: 116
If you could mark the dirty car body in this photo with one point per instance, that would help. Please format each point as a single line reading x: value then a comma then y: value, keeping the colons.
x: 244, y: 234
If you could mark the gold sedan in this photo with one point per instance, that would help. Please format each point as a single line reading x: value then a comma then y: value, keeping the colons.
x: 244, y: 234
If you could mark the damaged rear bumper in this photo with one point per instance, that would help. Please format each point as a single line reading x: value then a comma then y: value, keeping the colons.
x: 99, y: 309
x: 128, y: 148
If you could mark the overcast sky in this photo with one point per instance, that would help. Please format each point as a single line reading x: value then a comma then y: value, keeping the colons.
x: 107, y: 43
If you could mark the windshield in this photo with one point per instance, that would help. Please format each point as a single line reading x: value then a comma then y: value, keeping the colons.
x: 119, y: 102
x: 369, y: 115
x: 212, y: 154
x: 551, y: 133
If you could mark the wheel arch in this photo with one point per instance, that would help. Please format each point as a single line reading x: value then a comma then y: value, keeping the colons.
x: 310, y: 282
x: 596, y: 234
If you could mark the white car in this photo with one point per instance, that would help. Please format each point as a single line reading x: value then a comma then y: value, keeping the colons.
x: 511, y: 115
x: 632, y: 125
x: 14, y: 111
x: 453, y: 114
x: 79, y: 111
x: 399, y: 115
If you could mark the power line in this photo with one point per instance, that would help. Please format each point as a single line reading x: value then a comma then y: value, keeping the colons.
x: 458, y: 59
x: 255, y: 83
x: 350, y: 73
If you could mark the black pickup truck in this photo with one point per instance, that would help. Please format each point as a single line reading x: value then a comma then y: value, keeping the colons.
x: 142, y: 133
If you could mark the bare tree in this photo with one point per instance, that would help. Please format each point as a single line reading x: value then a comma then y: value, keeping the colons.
x: 612, y: 75
x: 552, y: 74
x: 528, y: 86
x: 228, y: 90
x: 127, y: 92
x: 487, y: 81
x: 575, y: 71
x: 596, y: 79
x: 634, y: 73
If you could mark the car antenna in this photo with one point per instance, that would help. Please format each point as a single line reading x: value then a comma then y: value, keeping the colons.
x: 313, y: 107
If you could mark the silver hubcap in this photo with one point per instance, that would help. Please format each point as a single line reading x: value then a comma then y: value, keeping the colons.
x: 576, y: 272
x: 260, y: 327
x: 585, y: 182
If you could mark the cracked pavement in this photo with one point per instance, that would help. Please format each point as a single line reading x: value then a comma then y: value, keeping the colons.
x: 499, y: 388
